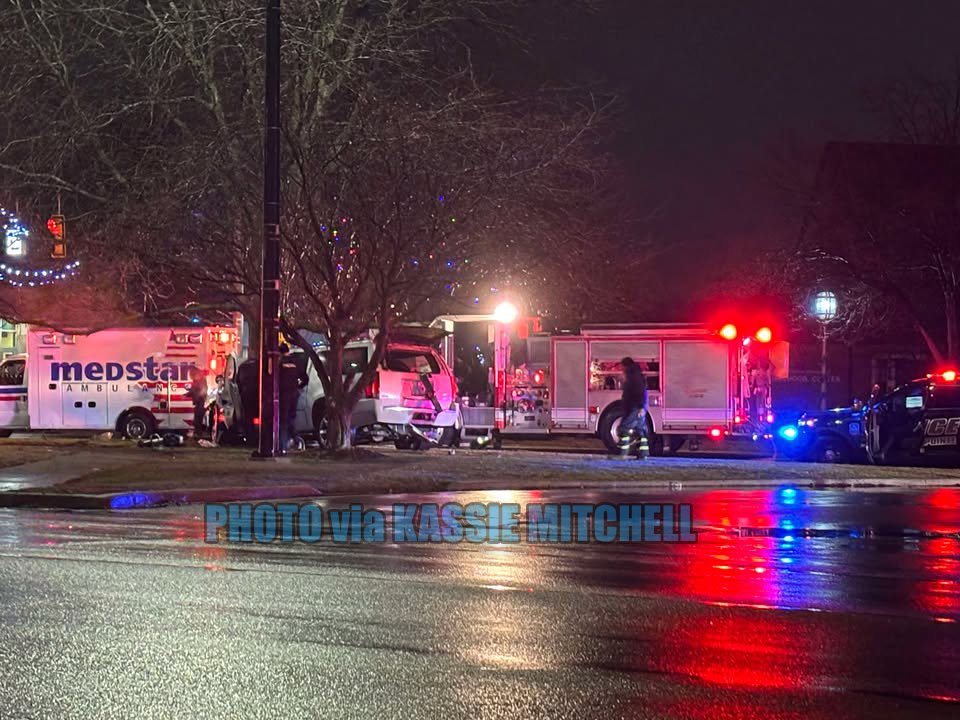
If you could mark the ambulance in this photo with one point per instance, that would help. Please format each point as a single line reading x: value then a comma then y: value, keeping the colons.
x: 133, y: 381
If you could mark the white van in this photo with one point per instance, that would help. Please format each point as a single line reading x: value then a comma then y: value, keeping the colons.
x: 397, y: 404
x: 133, y: 381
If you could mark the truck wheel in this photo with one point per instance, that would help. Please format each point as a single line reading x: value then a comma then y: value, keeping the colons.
x: 830, y: 450
x: 608, y: 425
x: 320, y: 423
x: 654, y: 440
x: 137, y: 424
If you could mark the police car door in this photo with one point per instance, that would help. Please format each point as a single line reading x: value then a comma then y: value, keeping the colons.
x: 899, y: 417
x: 941, y: 420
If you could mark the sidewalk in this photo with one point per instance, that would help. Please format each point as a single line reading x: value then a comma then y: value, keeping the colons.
x: 60, y: 469
x: 121, y: 476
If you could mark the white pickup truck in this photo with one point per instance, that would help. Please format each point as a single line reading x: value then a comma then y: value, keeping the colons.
x: 412, y: 398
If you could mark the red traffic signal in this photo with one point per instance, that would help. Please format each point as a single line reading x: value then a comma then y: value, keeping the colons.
x: 58, y: 228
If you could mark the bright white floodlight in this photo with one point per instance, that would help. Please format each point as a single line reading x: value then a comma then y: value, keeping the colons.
x: 506, y: 313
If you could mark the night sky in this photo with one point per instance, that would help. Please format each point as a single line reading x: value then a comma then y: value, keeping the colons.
x: 713, y: 92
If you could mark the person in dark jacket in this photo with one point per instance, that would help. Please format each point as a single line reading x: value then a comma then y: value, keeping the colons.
x: 633, y: 426
x: 293, y: 378
x: 198, y: 394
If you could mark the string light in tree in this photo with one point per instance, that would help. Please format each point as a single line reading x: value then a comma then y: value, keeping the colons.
x: 30, y: 277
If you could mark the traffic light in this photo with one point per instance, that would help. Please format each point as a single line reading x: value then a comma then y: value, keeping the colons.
x: 58, y: 228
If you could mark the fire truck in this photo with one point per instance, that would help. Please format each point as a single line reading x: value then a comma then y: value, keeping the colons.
x: 703, y: 382
x: 133, y: 381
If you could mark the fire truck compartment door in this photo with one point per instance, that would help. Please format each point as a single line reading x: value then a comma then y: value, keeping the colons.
x: 569, y: 384
x: 694, y: 382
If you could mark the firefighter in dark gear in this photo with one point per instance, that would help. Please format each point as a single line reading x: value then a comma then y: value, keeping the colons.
x: 293, y: 378
x: 633, y: 426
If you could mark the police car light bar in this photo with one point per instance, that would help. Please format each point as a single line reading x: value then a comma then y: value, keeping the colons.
x: 949, y: 375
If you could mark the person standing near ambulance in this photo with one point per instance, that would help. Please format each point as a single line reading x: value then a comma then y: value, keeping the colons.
x: 198, y: 394
x: 633, y: 425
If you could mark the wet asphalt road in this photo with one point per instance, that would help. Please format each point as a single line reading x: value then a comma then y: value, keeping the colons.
x: 793, y: 604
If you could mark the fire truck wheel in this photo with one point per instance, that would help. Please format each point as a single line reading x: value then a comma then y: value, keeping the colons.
x: 608, y: 425
x: 136, y: 424
x: 830, y: 450
x: 676, y: 442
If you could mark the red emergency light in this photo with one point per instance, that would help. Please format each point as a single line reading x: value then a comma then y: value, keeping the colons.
x: 949, y: 375
x: 729, y: 332
x: 764, y: 335
x: 716, y: 433
x: 538, y: 377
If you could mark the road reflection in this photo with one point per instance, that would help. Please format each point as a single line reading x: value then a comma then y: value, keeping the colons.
x: 786, y: 589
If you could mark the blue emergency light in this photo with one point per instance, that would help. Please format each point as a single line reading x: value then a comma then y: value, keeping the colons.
x: 789, y: 432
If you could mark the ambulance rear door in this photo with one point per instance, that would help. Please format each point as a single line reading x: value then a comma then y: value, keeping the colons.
x: 45, y: 396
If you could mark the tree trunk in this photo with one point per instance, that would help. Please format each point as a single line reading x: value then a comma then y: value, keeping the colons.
x: 338, y: 408
x: 339, y: 434
x: 931, y: 343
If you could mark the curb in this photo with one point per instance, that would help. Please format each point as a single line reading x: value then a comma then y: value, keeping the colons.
x: 132, y: 500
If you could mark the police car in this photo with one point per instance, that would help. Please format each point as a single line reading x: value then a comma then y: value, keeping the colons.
x: 918, y: 421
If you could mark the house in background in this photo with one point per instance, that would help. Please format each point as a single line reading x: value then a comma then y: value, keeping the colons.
x: 13, y: 339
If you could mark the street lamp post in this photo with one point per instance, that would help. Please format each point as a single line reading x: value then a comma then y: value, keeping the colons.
x: 270, y: 278
x: 824, y: 310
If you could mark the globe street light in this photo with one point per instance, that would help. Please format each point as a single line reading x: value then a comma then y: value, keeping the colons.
x: 825, y: 306
x: 825, y: 311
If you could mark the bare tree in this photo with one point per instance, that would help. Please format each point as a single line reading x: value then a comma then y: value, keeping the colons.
x: 398, y: 159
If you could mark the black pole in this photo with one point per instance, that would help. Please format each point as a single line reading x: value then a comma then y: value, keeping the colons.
x: 270, y: 283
